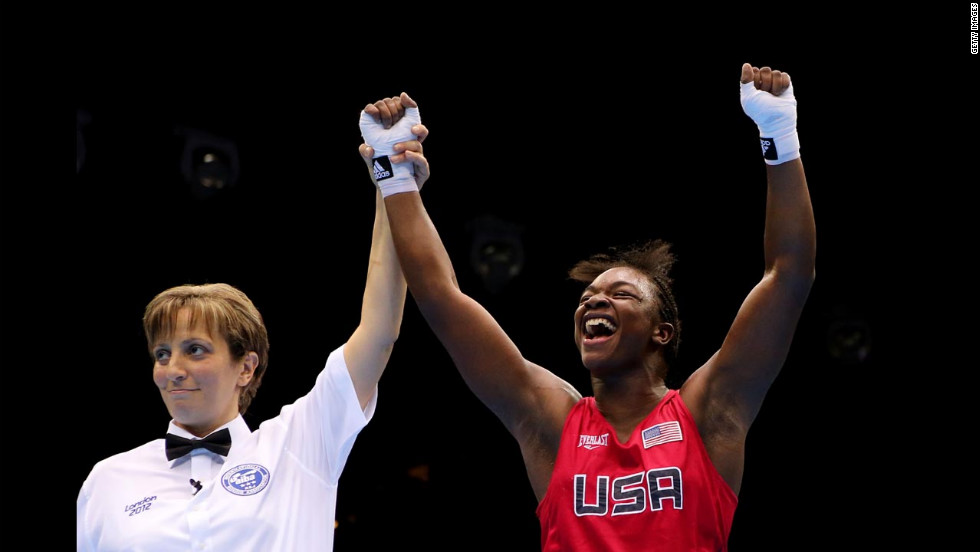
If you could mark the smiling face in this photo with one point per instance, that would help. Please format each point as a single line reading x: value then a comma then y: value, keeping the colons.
x: 616, y: 320
x: 198, y: 377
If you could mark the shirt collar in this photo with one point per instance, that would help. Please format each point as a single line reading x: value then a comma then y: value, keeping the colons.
x: 238, y: 428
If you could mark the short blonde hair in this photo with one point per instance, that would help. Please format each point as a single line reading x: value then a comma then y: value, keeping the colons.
x: 226, y: 311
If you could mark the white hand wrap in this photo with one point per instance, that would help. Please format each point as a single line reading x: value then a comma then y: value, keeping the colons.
x: 776, y: 118
x: 391, y: 178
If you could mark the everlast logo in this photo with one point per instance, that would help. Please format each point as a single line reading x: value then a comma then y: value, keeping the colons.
x: 592, y: 441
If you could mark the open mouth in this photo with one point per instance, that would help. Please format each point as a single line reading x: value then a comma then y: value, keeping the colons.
x: 598, y: 327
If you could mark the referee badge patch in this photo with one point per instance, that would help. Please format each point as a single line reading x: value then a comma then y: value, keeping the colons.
x: 245, y: 479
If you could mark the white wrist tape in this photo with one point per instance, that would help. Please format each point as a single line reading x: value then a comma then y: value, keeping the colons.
x: 776, y: 118
x: 391, y: 178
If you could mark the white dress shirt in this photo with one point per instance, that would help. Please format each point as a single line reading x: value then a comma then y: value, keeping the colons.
x: 276, y: 490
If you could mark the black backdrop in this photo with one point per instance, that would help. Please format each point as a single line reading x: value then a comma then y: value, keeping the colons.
x: 578, y: 141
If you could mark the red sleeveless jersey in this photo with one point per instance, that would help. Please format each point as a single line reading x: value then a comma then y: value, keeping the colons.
x: 657, y: 491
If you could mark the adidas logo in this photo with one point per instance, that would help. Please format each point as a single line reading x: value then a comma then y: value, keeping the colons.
x: 382, y: 168
x: 769, y: 149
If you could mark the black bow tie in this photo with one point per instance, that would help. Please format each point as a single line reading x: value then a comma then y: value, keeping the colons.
x: 219, y: 442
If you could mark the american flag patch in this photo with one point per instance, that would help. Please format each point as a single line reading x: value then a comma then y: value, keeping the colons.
x: 662, y: 433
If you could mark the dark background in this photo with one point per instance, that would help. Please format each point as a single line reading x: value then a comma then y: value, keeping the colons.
x: 580, y: 134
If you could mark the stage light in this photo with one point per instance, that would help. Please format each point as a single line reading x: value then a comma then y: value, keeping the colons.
x: 496, y: 252
x: 209, y: 163
x: 849, y: 340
